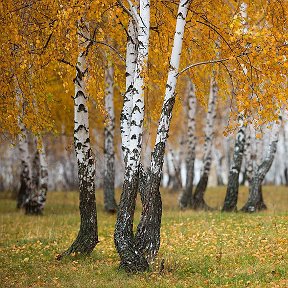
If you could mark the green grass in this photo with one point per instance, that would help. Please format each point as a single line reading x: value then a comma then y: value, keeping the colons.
x: 199, y: 249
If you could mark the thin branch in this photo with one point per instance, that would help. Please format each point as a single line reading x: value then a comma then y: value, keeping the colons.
x: 202, y: 63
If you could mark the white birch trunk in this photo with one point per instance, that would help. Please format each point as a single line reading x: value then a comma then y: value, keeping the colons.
x: 109, y: 153
x: 230, y: 202
x: 148, y: 230
x: 25, y: 174
x: 88, y: 234
x: 132, y: 129
x: 185, y: 199
x: 198, y: 199
x: 255, y: 200
x: 131, y: 59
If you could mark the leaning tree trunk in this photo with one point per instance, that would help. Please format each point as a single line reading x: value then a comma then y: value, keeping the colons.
x: 255, y: 200
x: 88, y: 234
x: 136, y: 252
x: 25, y: 174
x: 198, y: 199
x: 148, y: 230
x: 185, y: 199
x: 230, y: 202
x: 37, y: 197
x: 109, y: 153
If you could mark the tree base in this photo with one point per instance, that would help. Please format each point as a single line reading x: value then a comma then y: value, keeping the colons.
x: 83, y: 245
x: 201, y: 205
x: 133, y: 262
x: 32, y: 208
x: 252, y: 208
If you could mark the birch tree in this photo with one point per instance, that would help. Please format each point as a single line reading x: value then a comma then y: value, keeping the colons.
x: 230, y: 202
x: 36, y: 199
x: 25, y: 174
x: 109, y: 153
x: 255, y: 200
x: 87, y: 237
x: 137, y: 251
x: 198, y: 198
x: 185, y: 199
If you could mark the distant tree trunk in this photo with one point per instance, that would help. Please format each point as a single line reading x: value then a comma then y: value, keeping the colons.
x: 174, y: 172
x: 198, y: 199
x: 219, y: 166
x: 230, y: 202
x: 25, y: 174
x: 255, y: 199
x: 185, y: 199
x: 109, y: 153
x: 136, y: 252
x: 37, y: 197
x: 88, y: 234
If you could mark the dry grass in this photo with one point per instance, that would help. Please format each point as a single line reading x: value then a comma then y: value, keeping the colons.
x: 199, y: 249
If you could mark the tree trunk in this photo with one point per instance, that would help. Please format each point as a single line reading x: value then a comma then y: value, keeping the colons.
x: 88, y: 234
x: 198, y: 199
x: 109, y: 153
x: 25, y: 174
x: 136, y: 252
x: 37, y: 197
x: 185, y: 199
x: 132, y: 118
x: 255, y: 200
x: 230, y: 202
x: 148, y: 231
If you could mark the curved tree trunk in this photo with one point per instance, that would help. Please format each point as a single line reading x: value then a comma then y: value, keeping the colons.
x: 109, y: 153
x: 198, y: 198
x: 88, y: 234
x: 255, y: 200
x: 230, y: 202
x: 186, y: 197
x: 148, y: 231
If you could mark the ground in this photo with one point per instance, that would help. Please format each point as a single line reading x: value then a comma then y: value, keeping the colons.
x: 199, y: 249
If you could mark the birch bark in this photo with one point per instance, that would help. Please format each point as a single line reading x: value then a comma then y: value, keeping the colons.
x: 109, y: 153
x: 230, y: 202
x: 87, y: 237
x: 132, y: 129
x: 255, y: 200
x: 198, y: 199
x: 185, y: 199
x: 148, y: 230
x: 136, y: 252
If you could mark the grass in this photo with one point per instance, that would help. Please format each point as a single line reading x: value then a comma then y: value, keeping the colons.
x: 199, y: 249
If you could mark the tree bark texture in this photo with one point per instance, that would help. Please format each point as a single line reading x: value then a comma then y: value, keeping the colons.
x: 25, y: 174
x: 137, y: 251
x: 109, y: 153
x: 255, y: 200
x: 186, y: 197
x: 198, y: 198
x: 37, y: 196
x: 231, y: 198
x: 88, y: 234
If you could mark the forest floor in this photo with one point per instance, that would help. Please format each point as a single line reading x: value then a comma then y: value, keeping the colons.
x: 200, y: 249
